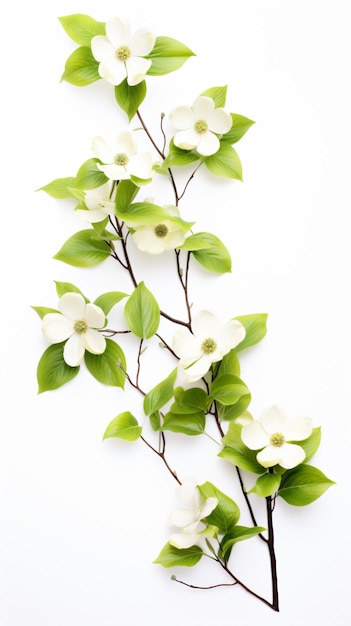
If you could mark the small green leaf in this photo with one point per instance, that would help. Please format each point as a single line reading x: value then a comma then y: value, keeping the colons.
x: 81, y: 68
x: 109, y: 367
x: 239, y: 127
x: 237, y: 453
x: 60, y: 188
x: 188, y: 424
x: 226, y: 514
x: 178, y: 157
x: 215, y: 257
x: 83, y: 249
x: 126, y: 192
x: 62, y: 288
x: 218, y: 95
x: 303, y: 485
x: 108, y: 300
x: 89, y: 176
x: 228, y: 389
x: 255, y: 325
x: 225, y: 162
x: 174, y: 557
x: 238, y: 533
x: 53, y: 371
x: 142, y: 312
x: 311, y: 444
x: 130, y: 97
x: 157, y: 397
x: 81, y: 28
x: 230, y: 364
x: 123, y: 426
x: 266, y: 485
x: 167, y: 56
x: 43, y: 310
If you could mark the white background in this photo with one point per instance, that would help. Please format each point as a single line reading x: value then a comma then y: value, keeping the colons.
x: 82, y: 520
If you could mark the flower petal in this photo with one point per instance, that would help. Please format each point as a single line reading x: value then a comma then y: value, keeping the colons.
x: 182, y: 517
x: 253, y: 436
x: 101, y: 48
x: 56, y: 327
x: 230, y: 335
x: 198, y: 369
x: 113, y: 70
x: 186, y: 346
x: 269, y: 456
x: 182, y: 117
x: 136, y: 69
x: 220, y: 121
x: 183, y: 540
x: 102, y: 150
x: 206, y: 324
x: 203, y: 107
x: 209, y: 505
x: 298, y: 428
x: 93, y: 341
x: 94, y: 316
x: 208, y: 144
x: 118, y: 31
x: 126, y: 142
x: 73, y: 351
x: 273, y: 420
x: 291, y: 455
x: 142, y: 42
x: 140, y: 165
x: 186, y: 139
x: 72, y: 305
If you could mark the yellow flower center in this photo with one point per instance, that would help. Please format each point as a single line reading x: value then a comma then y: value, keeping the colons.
x: 120, y: 159
x: 123, y: 53
x: 161, y: 230
x: 80, y: 326
x: 277, y: 440
x: 201, y: 126
x: 208, y: 345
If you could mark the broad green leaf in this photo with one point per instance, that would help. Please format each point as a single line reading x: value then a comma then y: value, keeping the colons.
x: 123, y: 426
x: 239, y: 127
x: 266, y: 485
x: 81, y: 28
x: 178, y: 157
x: 62, y: 288
x: 229, y: 364
x: 238, y: 533
x: 108, y: 300
x: 237, y: 453
x: 89, y: 176
x: 109, y: 367
x: 228, y: 389
x: 187, y: 424
x: 303, y: 485
x: 311, y: 444
x: 174, y: 557
x: 81, y: 68
x: 226, y: 514
x: 130, y: 97
x: 147, y: 213
x: 255, y: 325
x: 83, y: 249
x: 43, y: 310
x: 126, y: 192
x: 225, y: 162
x: 157, y: 397
x: 215, y: 257
x: 218, y: 95
x: 142, y: 312
x: 230, y: 412
x: 167, y: 56
x: 53, y: 371
x: 190, y: 400
x: 60, y: 188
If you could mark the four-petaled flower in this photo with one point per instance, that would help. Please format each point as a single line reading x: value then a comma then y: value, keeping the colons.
x: 157, y: 238
x: 99, y: 203
x: 273, y: 433
x: 77, y: 323
x: 208, y: 342
x: 120, y: 54
x: 120, y: 158
x: 199, y: 126
x: 188, y: 519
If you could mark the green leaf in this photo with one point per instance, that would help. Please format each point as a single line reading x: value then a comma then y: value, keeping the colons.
x: 218, y: 95
x: 266, y: 485
x: 237, y: 453
x: 311, y: 444
x: 43, y: 310
x: 255, y: 325
x: 157, y: 397
x: 82, y: 28
x: 83, y: 249
x: 228, y: 389
x: 124, y: 426
x: 108, y: 300
x: 59, y: 188
x: 190, y: 401
x: 142, y: 312
x: 130, y: 97
x: 229, y: 364
x: 53, y: 371
x: 226, y: 514
x: 225, y: 162
x: 238, y: 533
x: 303, y: 485
x: 167, y: 56
x: 147, y: 213
x: 126, y: 192
x: 62, y: 288
x: 89, y: 176
x: 188, y: 424
x: 239, y: 127
x: 81, y: 68
x: 178, y: 157
x: 109, y: 367
x: 174, y: 557
x: 215, y: 257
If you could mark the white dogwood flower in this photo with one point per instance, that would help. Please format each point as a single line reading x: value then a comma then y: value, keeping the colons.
x: 77, y: 323
x: 99, y: 204
x: 120, y: 158
x: 188, y: 518
x: 120, y: 53
x: 199, y: 126
x: 208, y: 342
x: 273, y: 433
x: 157, y: 238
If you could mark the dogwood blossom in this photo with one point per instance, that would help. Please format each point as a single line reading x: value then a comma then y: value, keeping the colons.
x: 120, y: 158
x: 199, y: 126
x: 99, y: 203
x: 77, y: 323
x: 157, y: 238
x: 273, y: 433
x: 188, y: 518
x: 120, y: 53
x: 208, y: 342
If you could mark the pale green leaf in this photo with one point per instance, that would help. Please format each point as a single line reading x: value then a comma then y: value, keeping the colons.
x: 174, y: 557
x: 123, y: 426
